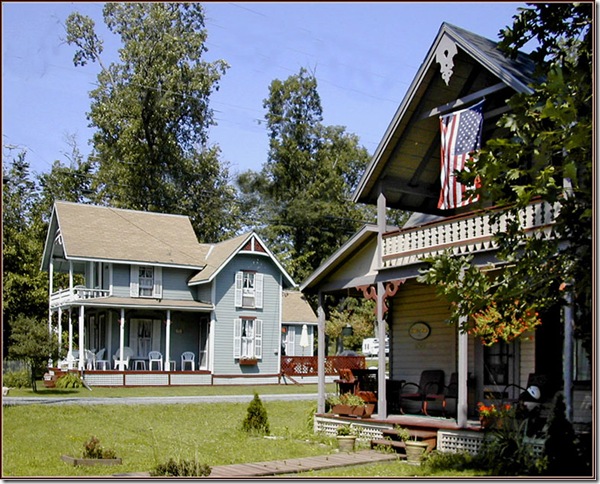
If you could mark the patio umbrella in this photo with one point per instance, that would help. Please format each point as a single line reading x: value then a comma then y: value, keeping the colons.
x: 304, y: 338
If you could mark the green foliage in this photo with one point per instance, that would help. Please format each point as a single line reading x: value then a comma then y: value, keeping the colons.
x: 403, y: 433
x: 310, y: 174
x: 152, y: 115
x: 444, y: 461
x: 93, y: 450
x: 345, y: 399
x: 69, y: 380
x: 31, y: 342
x: 181, y: 468
x: 545, y: 151
x: 16, y: 379
x: 256, y: 421
x: 345, y: 430
x: 359, y: 314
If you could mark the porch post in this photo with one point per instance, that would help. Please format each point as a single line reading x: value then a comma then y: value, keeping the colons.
x: 381, y: 390
x: 321, y: 356
x: 50, y: 289
x: 81, y: 339
x: 463, y: 374
x: 59, y: 330
x: 121, y: 339
x: 167, y: 365
x: 70, y: 332
x: 71, y: 277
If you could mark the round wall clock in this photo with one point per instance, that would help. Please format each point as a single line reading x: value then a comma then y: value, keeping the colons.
x: 419, y: 331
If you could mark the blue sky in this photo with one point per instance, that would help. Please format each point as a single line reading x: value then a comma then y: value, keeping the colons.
x: 364, y: 55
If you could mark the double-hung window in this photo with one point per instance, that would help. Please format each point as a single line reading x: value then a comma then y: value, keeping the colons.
x: 145, y: 281
x: 247, y: 338
x: 249, y: 290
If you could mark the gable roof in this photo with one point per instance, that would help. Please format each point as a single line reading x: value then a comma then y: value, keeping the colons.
x: 406, y: 163
x: 218, y: 255
x: 296, y: 309
x: 91, y: 232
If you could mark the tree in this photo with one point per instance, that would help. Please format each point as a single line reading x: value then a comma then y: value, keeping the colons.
x: 151, y: 111
x: 548, y: 154
x: 33, y: 343
x: 301, y: 197
x: 356, y: 313
x: 24, y: 285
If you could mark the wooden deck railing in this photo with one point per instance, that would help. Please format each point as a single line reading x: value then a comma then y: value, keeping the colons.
x: 78, y: 292
x: 307, y: 365
x: 462, y: 234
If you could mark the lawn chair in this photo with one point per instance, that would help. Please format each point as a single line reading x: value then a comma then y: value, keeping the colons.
x: 443, y: 403
x: 155, y: 357
x: 90, y: 360
x: 347, y: 382
x: 187, y: 358
x: 127, y: 355
x: 102, y: 364
x: 412, y: 395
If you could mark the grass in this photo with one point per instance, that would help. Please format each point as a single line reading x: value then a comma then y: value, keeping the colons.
x: 117, y: 392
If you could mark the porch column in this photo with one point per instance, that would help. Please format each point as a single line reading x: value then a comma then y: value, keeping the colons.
x: 81, y: 339
x: 167, y: 365
x: 462, y: 405
x: 50, y: 289
x: 59, y: 331
x: 321, y: 356
x: 70, y: 332
x: 381, y: 390
x: 121, y: 339
x: 71, y: 277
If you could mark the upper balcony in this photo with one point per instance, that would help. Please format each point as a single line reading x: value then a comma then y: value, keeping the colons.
x: 77, y: 293
x: 463, y: 234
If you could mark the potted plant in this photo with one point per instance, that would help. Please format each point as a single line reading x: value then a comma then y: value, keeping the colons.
x: 491, y: 416
x: 346, y: 438
x: 350, y: 405
x: 415, y: 449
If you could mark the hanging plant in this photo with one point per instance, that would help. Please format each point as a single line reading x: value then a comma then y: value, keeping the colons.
x: 492, y: 325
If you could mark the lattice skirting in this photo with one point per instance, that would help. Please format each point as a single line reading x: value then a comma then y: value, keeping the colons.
x: 471, y: 442
x: 365, y: 430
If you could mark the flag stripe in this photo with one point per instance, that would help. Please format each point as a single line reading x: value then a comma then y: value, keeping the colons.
x: 460, y: 135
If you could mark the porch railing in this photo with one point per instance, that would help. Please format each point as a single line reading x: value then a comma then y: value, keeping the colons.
x: 464, y: 234
x: 307, y: 365
x: 77, y: 293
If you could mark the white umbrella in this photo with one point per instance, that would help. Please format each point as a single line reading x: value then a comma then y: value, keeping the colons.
x: 304, y: 338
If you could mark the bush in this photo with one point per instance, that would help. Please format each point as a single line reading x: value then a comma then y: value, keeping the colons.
x: 448, y: 461
x: 181, y: 468
x: 256, y: 420
x: 69, y: 380
x: 93, y: 450
x: 16, y: 379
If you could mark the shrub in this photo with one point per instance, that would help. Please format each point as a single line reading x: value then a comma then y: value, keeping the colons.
x: 69, y: 380
x: 345, y: 430
x: 256, y: 420
x: 93, y: 450
x: 181, y: 468
x: 16, y: 379
x: 448, y: 461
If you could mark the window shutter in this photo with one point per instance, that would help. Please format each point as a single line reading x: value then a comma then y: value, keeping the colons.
x: 134, y: 281
x: 258, y: 338
x: 239, y: 280
x: 157, y: 289
x: 237, y: 337
x: 291, y: 347
x: 258, y: 291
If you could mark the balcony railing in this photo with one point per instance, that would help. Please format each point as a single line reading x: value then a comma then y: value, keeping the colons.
x: 65, y: 296
x: 464, y: 234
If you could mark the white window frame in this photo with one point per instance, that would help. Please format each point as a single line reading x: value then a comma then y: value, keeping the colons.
x: 152, y: 286
x: 249, y: 289
x: 247, y: 338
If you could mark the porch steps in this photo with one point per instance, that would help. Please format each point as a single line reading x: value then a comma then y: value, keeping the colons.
x: 391, y: 439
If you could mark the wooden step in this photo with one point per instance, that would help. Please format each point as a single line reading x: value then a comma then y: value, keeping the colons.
x: 397, y: 445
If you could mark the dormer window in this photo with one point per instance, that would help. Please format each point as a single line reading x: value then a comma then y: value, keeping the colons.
x: 248, y: 289
x: 146, y: 281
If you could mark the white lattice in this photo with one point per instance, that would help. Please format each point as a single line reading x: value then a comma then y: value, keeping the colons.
x: 190, y: 379
x: 459, y: 441
x: 146, y: 379
x: 365, y: 430
x: 98, y: 379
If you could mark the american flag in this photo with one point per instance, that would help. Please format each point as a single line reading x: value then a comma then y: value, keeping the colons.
x: 461, y: 135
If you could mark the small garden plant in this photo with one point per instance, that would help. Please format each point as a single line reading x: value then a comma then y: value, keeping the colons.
x: 69, y: 380
x: 181, y: 468
x: 403, y: 434
x: 256, y: 420
x: 345, y: 430
x: 93, y: 450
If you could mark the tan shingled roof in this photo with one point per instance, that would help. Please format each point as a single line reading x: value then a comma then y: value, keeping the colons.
x: 296, y: 308
x: 217, y: 255
x: 105, y: 233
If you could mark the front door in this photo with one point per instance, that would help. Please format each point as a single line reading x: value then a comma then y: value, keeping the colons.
x: 203, y: 344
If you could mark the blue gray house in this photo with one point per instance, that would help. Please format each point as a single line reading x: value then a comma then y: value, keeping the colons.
x: 141, y: 302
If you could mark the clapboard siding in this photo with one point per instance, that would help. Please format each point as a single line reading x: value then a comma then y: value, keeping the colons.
x: 120, y: 280
x: 175, y: 284
x: 418, y: 302
x: 526, y: 357
x: 226, y: 313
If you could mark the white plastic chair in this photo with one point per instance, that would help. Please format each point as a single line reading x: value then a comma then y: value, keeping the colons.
x: 127, y: 355
x: 100, y: 363
x: 155, y: 357
x: 90, y: 360
x: 187, y: 357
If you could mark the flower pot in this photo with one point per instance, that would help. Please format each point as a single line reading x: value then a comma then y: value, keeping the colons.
x: 346, y: 442
x: 414, y: 451
x: 341, y: 409
x: 248, y: 361
x: 364, y: 411
x: 488, y: 422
